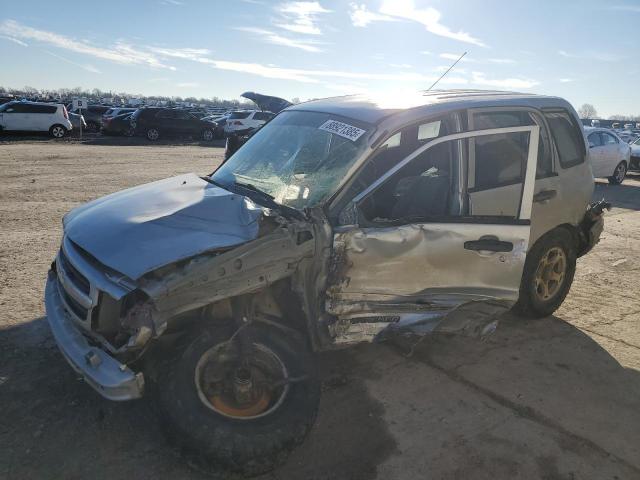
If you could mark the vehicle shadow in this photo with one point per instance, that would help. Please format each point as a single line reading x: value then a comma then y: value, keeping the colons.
x: 546, y: 372
x: 625, y: 195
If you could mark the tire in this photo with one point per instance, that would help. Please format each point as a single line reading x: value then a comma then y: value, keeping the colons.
x: 214, y: 441
x: 618, y: 174
x: 532, y: 302
x: 57, y: 131
x: 207, y: 135
x: 93, y: 127
x: 153, y: 134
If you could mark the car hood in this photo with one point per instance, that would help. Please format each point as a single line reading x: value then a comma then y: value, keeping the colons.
x: 138, y: 230
x: 267, y: 103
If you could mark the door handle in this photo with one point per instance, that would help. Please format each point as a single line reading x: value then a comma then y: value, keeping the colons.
x: 544, y: 195
x: 488, y: 244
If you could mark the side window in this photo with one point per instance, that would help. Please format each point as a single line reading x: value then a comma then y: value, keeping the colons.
x: 440, y: 182
x: 166, y: 114
x: 608, y: 139
x: 19, y: 108
x: 485, y: 120
x: 262, y: 116
x: 595, y: 140
x: 43, y: 109
x: 500, y: 160
x: 568, y: 138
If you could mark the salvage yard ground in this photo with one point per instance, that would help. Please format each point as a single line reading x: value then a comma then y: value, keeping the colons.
x: 557, y: 398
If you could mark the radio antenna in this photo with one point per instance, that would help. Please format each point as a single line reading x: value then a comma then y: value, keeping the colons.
x: 448, y: 70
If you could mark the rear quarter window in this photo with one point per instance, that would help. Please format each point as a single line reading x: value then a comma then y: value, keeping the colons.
x: 568, y: 138
x: 239, y: 115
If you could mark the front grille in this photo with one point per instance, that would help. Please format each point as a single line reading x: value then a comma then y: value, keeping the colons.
x: 74, y: 275
x: 75, y: 307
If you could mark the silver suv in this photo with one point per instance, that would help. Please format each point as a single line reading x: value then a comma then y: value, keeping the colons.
x: 343, y: 220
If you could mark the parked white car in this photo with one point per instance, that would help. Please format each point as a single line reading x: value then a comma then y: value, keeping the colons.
x: 35, y: 117
x: 634, y: 164
x: 242, y: 120
x: 610, y: 156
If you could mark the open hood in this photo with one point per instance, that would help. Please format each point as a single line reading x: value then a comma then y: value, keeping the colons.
x: 143, y: 228
x: 267, y: 103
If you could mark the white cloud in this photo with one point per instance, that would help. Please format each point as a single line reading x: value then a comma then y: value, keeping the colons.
x: 361, y: 16
x: 566, y: 80
x: 120, y: 52
x: 597, y: 56
x: 456, y: 56
x: 300, y: 17
x: 172, y: 2
x: 194, y: 54
x: 277, y: 39
x: 87, y: 67
x: 479, y: 78
x: 187, y: 84
x: 400, y: 65
x: 429, y: 17
x: 14, y: 40
x: 502, y: 60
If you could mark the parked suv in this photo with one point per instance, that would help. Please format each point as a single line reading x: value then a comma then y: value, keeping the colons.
x: 155, y: 122
x: 93, y: 116
x: 340, y: 221
x: 35, y: 117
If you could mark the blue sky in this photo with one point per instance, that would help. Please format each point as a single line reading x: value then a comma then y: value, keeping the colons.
x: 584, y: 51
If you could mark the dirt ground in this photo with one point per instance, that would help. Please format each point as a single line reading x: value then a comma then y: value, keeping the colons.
x: 554, y: 399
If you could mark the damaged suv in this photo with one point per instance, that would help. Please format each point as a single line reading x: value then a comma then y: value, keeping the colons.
x: 342, y: 220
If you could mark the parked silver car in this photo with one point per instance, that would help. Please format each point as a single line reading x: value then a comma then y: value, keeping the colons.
x: 342, y: 220
x: 609, y: 155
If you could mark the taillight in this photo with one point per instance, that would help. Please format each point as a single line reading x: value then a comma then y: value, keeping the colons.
x: 64, y: 112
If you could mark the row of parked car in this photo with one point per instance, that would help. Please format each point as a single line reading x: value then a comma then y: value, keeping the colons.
x: 150, y: 122
x: 611, y: 155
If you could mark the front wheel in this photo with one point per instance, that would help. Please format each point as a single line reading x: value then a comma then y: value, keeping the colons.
x: 548, y: 274
x: 241, y: 409
x: 618, y: 174
x: 57, y: 131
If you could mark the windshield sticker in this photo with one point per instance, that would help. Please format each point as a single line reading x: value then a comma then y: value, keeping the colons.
x: 342, y: 129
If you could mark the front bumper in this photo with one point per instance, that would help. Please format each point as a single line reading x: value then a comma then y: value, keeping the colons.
x: 105, y: 374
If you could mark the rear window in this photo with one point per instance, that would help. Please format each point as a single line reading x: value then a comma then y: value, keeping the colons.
x: 568, y: 138
x: 263, y: 116
x: 98, y: 109
x: 239, y: 115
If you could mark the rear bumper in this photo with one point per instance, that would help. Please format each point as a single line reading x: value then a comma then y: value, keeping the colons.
x: 105, y: 374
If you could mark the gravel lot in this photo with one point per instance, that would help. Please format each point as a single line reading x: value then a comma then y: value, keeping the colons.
x: 557, y: 398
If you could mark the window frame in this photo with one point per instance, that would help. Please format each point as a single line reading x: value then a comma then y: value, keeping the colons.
x: 526, y: 196
x: 545, y: 126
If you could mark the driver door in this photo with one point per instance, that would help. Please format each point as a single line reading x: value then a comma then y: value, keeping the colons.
x: 437, y: 231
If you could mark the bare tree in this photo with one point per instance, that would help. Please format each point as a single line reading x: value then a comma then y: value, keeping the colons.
x: 587, y: 111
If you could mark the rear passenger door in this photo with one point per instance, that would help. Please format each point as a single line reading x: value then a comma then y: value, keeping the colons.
x: 425, y: 236
x: 611, y: 154
x: 596, y: 153
x: 502, y: 182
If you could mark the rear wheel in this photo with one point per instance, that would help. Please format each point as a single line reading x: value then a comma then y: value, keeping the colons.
x: 240, y: 411
x: 153, y: 134
x: 548, y: 274
x: 57, y: 131
x: 207, y: 135
x: 618, y: 174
